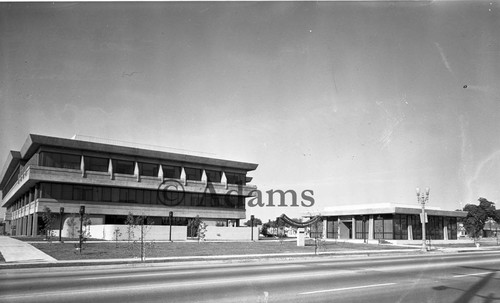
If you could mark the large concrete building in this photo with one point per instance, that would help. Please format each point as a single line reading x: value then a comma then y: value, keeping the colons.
x: 389, y: 222
x: 113, y: 180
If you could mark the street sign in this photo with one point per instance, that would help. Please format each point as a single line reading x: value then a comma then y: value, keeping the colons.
x: 426, y: 218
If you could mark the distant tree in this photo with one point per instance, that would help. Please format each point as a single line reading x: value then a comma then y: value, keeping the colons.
x: 477, y: 215
x: 256, y: 222
x: 202, y: 231
x: 48, y: 219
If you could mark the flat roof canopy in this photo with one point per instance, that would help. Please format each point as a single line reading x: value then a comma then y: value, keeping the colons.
x: 385, y: 208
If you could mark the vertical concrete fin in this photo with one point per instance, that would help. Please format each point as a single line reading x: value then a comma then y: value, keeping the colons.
x: 136, y: 171
x: 82, y: 166
x: 224, y: 179
x: 110, y: 169
x: 160, y: 172
x: 183, y: 176
x: 204, y: 177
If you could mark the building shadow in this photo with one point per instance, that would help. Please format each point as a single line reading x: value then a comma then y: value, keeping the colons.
x: 473, y: 291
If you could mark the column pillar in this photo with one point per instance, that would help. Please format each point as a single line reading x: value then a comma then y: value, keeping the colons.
x: 410, y: 232
x: 338, y: 227
x: 445, y: 232
x: 23, y: 224
x: 324, y: 228
x: 371, y: 227
x: 34, y: 231
x: 37, y: 191
x: 353, y: 230
x: 29, y: 227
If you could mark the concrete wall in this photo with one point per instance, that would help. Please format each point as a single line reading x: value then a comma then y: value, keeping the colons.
x: 231, y: 233
x: 154, y: 232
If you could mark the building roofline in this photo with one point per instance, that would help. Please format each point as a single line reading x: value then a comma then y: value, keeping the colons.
x: 13, y: 159
x: 34, y: 141
x: 386, y: 208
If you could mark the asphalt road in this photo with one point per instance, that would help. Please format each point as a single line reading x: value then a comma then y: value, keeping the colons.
x: 463, y: 277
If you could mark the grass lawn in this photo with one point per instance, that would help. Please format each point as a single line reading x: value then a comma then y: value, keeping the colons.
x: 111, y: 250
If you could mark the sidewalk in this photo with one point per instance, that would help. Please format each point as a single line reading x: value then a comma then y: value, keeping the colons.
x: 16, y: 251
x: 19, y: 254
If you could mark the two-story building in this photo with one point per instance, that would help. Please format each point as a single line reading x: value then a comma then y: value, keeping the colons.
x: 112, y: 181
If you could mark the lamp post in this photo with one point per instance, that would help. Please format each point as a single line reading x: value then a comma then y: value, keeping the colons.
x: 82, y: 212
x: 251, y: 219
x: 61, y: 212
x: 170, y: 216
x: 423, y: 198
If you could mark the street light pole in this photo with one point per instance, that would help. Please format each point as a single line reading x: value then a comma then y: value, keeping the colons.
x: 61, y: 212
x: 82, y: 212
x: 171, y: 216
x: 251, y: 219
x: 423, y: 198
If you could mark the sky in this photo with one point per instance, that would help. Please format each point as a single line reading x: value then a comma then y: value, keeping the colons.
x: 358, y: 102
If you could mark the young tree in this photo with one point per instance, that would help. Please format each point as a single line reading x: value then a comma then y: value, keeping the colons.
x: 477, y: 215
x: 145, y: 225
x: 85, y: 231
x: 48, y: 219
x: 72, y: 226
x: 202, y: 230
x: 131, y: 223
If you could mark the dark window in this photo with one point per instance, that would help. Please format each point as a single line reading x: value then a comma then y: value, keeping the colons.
x: 147, y: 196
x: 148, y: 169
x: 56, y: 190
x: 123, y: 195
x: 46, y: 190
x: 67, y: 192
x: 83, y: 193
x: 239, y: 179
x: 96, y: 164
x: 115, y: 194
x: 131, y: 195
x: 139, y: 196
x: 60, y: 160
x: 97, y: 193
x: 193, y: 174
x: 173, y: 172
x: 106, y: 194
x: 213, y: 176
x: 123, y: 167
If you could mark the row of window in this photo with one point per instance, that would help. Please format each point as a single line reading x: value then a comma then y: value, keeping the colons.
x: 97, y: 164
x: 396, y: 227
x: 139, y: 196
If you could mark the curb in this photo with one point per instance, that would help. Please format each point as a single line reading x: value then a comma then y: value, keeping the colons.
x: 215, y: 259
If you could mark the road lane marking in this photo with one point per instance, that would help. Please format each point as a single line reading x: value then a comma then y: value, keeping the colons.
x: 476, y: 274
x: 344, y: 288
x: 138, y: 275
x: 149, y: 286
x: 190, y: 272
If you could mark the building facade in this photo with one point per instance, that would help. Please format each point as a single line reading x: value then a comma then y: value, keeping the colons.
x: 112, y: 181
x: 389, y: 222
